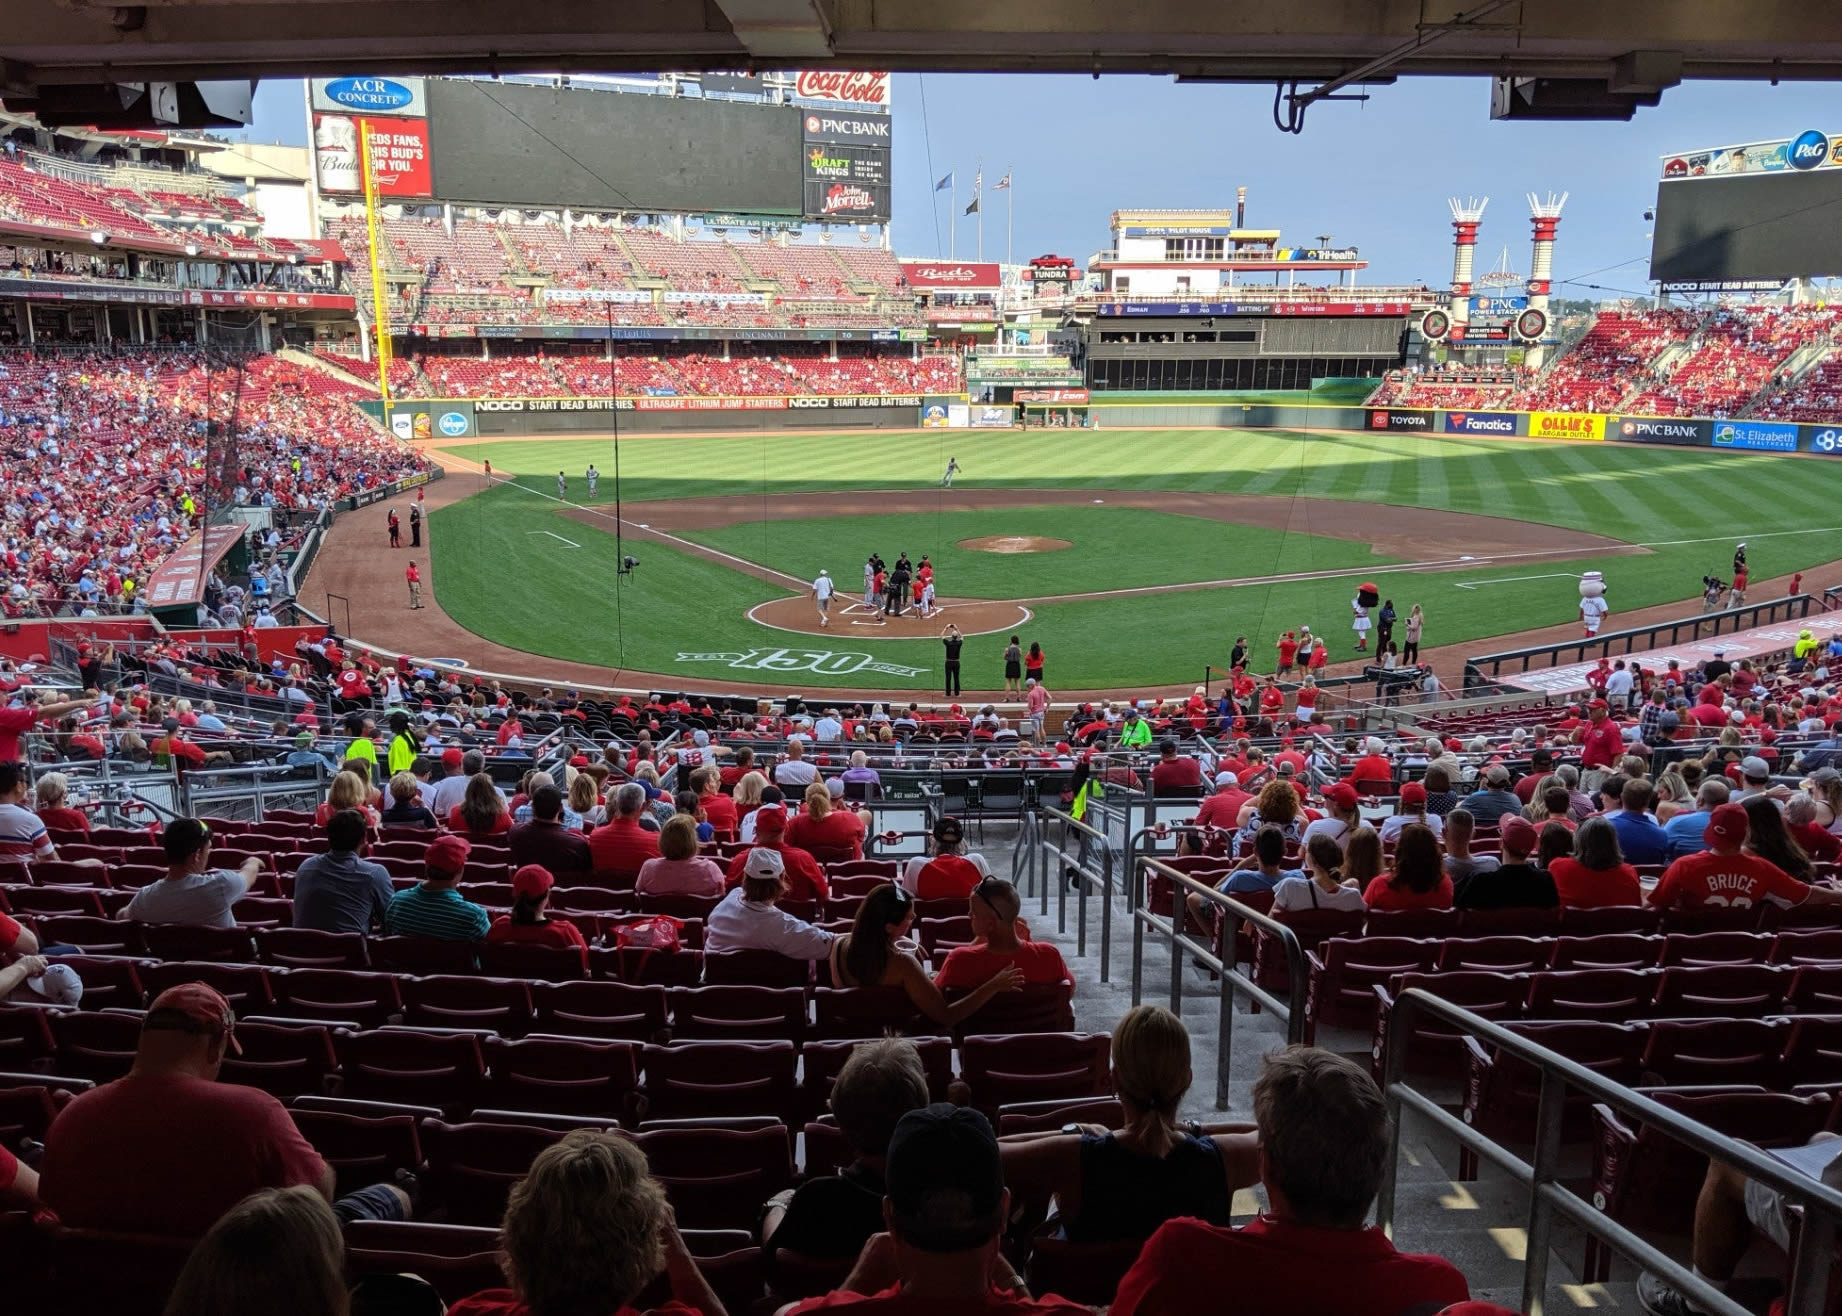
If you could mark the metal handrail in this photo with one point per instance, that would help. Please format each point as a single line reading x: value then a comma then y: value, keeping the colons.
x: 1046, y: 847
x: 1795, y: 607
x: 1290, y: 1012
x: 1811, y: 1251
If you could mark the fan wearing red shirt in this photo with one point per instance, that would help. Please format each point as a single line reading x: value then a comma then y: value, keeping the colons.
x: 1223, y: 809
x: 719, y: 808
x: 945, y: 1204
x: 993, y: 908
x: 620, y: 845
x: 1602, y: 744
x: 824, y: 830
x: 1288, y: 652
x: 1595, y: 874
x: 17, y: 720
x: 1323, y: 1145
x: 1418, y: 880
x: 587, y: 1230
x: 529, y: 923
x: 1272, y: 699
x: 1174, y: 773
x: 169, y: 1149
x: 804, y: 878
x: 1724, y: 875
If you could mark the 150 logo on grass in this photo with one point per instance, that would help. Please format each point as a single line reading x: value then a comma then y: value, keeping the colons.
x: 825, y: 662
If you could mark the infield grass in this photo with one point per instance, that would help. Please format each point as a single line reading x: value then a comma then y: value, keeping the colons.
x: 528, y: 591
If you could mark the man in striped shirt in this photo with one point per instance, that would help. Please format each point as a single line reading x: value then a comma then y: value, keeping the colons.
x: 435, y: 909
x: 22, y: 836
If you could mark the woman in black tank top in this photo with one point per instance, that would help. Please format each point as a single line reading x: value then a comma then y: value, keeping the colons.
x: 1121, y: 1184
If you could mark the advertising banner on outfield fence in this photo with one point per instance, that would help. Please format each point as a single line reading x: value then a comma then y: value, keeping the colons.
x: 1755, y: 435
x: 1052, y: 397
x: 676, y: 403
x: 847, y: 126
x: 1825, y: 439
x: 993, y: 418
x: 1497, y: 424
x: 1658, y: 429
x: 1565, y: 425
x: 934, y: 416
x: 1398, y: 421
x: 399, y: 154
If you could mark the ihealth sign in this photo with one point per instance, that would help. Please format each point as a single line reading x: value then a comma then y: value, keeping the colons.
x: 370, y: 96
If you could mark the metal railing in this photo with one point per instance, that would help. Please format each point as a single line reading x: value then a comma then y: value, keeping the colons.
x: 1811, y: 1253
x: 1043, y: 857
x: 1290, y: 1011
x: 1790, y: 607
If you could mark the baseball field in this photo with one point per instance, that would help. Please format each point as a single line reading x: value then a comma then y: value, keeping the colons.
x: 1133, y: 557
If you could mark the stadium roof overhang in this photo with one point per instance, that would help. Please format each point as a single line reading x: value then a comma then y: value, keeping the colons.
x: 1630, y: 51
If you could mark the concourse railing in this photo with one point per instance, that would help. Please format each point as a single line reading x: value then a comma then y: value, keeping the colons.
x: 1813, y: 1248
x: 1289, y: 1011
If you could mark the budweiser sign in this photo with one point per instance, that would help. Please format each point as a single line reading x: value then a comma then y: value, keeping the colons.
x: 846, y: 88
x: 951, y: 273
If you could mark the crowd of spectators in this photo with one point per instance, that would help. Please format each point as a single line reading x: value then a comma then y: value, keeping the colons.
x: 105, y: 456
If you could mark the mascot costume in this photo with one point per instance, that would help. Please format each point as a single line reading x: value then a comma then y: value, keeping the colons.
x: 1592, y: 602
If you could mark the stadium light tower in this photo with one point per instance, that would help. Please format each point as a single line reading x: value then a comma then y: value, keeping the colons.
x: 1466, y: 216
x: 1545, y: 215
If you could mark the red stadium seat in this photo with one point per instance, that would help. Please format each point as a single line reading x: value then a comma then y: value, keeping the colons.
x: 724, y: 1012
x: 821, y: 1061
x: 1035, y: 1067
x: 1596, y: 994
x: 247, y: 987
x: 501, y: 1005
x: 1431, y: 1046
x: 459, y: 1260
x: 693, y: 1079
x: 362, y: 1148
x: 544, y: 963
x: 346, y: 996
x: 1345, y: 975
x: 1503, y: 1092
x: 717, y: 1178
x: 1710, y: 1052
x: 1606, y: 950
x: 282, y: 1060
x: 1502, y: 954
x: 757, y: 968
x: 306, y: 948
x: 567, y: 1075
x: 612, y: 1011
x: 1732, y: 989
x: 409, y: 1065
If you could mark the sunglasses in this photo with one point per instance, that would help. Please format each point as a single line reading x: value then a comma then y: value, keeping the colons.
x: 987, y: 890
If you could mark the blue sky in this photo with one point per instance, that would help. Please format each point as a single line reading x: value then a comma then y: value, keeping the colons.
x: 1375, y: 175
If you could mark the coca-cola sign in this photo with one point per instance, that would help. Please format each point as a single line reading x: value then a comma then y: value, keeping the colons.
x: 950, y: 274
x: 847, y: 88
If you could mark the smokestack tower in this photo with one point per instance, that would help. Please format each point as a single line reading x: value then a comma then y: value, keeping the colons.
x: 1466, y: 216
x: 1240, y: 207
x: 1545, y: 216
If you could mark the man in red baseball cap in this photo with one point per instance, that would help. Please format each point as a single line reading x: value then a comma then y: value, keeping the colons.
x: 1602, y: 744
x: 805, y: 879
x: 168, y: 1149
x: 1725, y: 875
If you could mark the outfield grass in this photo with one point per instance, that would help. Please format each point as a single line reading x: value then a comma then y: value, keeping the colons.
x: 525, y: 590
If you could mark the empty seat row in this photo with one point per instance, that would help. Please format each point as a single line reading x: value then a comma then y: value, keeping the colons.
x: 1353, y: 981
x: 459, y: 1069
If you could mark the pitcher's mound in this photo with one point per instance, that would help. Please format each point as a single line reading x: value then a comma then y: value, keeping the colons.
x: 1014, y: 544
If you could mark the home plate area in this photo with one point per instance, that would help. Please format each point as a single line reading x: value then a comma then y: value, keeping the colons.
x: 853, y: 617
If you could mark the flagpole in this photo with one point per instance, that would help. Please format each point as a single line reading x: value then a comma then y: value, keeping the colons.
x: 1008, y: 204
x: 953, y: 209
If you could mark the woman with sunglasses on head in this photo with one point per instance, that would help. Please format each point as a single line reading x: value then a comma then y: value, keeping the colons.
x: 869, y: 955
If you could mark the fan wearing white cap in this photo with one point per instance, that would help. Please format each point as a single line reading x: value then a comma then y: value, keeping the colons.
x: 822, y: 591
x: 34, y: 980
x: 747, y: 918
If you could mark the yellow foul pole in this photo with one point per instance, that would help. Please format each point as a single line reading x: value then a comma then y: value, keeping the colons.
x: 380, y: 313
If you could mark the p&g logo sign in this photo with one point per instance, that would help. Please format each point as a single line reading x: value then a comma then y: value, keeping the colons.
x: 1809, y: 149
